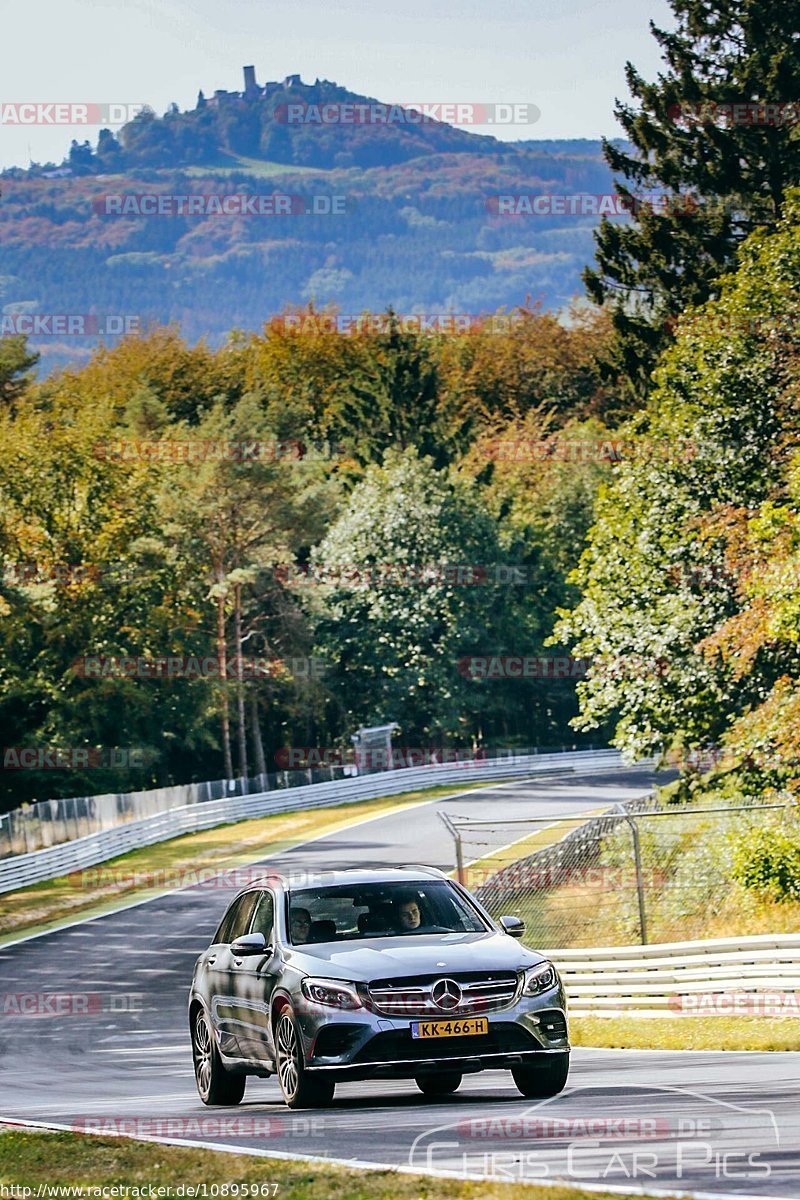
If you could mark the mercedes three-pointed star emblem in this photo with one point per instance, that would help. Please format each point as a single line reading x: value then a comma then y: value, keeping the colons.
x: 446, y: 994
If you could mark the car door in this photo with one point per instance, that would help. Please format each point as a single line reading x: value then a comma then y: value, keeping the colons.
x: 253, y: 979
x: 220, y: 974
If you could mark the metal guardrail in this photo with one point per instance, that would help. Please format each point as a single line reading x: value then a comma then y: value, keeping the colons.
x: 81, y: 853
x: 45, y: 823
x: 718, y: 977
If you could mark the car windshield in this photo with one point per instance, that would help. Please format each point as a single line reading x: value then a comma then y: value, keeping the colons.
x: 372, y: 910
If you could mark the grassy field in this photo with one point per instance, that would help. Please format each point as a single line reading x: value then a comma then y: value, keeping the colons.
x: 236, y: 164
x: 31, y: 1159
x: 150, y: 870
x: 687, y: 1033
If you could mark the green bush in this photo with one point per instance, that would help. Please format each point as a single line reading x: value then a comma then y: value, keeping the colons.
x: 767, y: 860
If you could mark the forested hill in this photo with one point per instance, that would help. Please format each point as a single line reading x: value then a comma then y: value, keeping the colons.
x: 310, y: 125
x: 320, y: 125
x: 379, y: 214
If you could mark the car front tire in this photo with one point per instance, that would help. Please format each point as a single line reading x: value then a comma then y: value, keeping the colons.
x: 300, y: 1088
x: 443, y: 1084
x: 540, y: 1082
x: 215, y: 1085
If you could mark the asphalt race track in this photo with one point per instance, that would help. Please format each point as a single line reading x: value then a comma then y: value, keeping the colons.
x: 724, y: 1124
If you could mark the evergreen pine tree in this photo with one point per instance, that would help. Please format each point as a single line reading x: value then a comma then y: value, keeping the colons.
x: 688, y: 138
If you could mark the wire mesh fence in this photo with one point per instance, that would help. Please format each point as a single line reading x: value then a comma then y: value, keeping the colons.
x: 642, y: 872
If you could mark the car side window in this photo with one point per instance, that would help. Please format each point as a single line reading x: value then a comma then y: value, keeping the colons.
x: 264, y: 917
x: 236, y: 919
x: 241, y: 922
x: 223, y: 933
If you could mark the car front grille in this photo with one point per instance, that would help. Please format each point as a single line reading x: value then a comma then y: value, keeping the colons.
x: 413, y: 997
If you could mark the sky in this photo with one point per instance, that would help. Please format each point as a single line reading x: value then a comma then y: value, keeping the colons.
x: 566, y: 57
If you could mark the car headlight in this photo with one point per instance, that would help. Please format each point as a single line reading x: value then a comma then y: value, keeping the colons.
x: 539, y: 979
x: 330, y: 992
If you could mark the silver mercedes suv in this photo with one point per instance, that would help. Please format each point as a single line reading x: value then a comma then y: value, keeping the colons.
x: 348, y: 975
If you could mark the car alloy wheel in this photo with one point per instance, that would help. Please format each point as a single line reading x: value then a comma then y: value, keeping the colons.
x: 300, y: 1088
x: 215, y: 1085
x: 288, y: 1058
x: 202, y: 1055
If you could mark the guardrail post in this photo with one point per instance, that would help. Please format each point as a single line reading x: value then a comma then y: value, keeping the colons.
x: 456, y: 836
x: 25, y: 837
x: 637, y: 858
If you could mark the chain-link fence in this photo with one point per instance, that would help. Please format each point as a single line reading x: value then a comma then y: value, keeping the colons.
x: 642, y: 872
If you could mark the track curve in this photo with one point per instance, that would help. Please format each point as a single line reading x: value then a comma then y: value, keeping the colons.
x: 119, y: 1060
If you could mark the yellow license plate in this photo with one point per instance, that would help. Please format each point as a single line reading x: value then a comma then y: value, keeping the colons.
x: 466, y: 1027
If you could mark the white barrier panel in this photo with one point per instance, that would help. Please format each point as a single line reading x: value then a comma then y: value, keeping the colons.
x: 757, y: 975
x: 62, y: 859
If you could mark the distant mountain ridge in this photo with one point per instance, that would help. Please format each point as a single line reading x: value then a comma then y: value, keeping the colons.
x: 419, y: 228
x: 320, y: 125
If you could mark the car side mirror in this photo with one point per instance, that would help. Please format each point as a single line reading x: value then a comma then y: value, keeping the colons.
x: 513, y: 926
x: 248, y: 945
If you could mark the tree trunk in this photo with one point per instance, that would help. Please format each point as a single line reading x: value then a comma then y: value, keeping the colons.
x: 237, y: 633
x: 222, y: 658
x: 261, y: 765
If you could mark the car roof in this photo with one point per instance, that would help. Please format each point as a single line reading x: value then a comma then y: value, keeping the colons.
x: 306, y: 878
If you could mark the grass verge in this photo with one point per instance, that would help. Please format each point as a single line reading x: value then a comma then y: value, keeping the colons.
x: 686, y: 1033
x: 144, y: 873
x: 67, y: 1159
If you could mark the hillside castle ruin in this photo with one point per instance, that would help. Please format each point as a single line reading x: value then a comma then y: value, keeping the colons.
x: 252, y: 90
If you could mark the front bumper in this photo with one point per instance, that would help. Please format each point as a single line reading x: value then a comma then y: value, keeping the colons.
x: 360, y: 1044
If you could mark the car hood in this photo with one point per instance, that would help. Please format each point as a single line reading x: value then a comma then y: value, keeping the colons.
x: 415, y: 954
